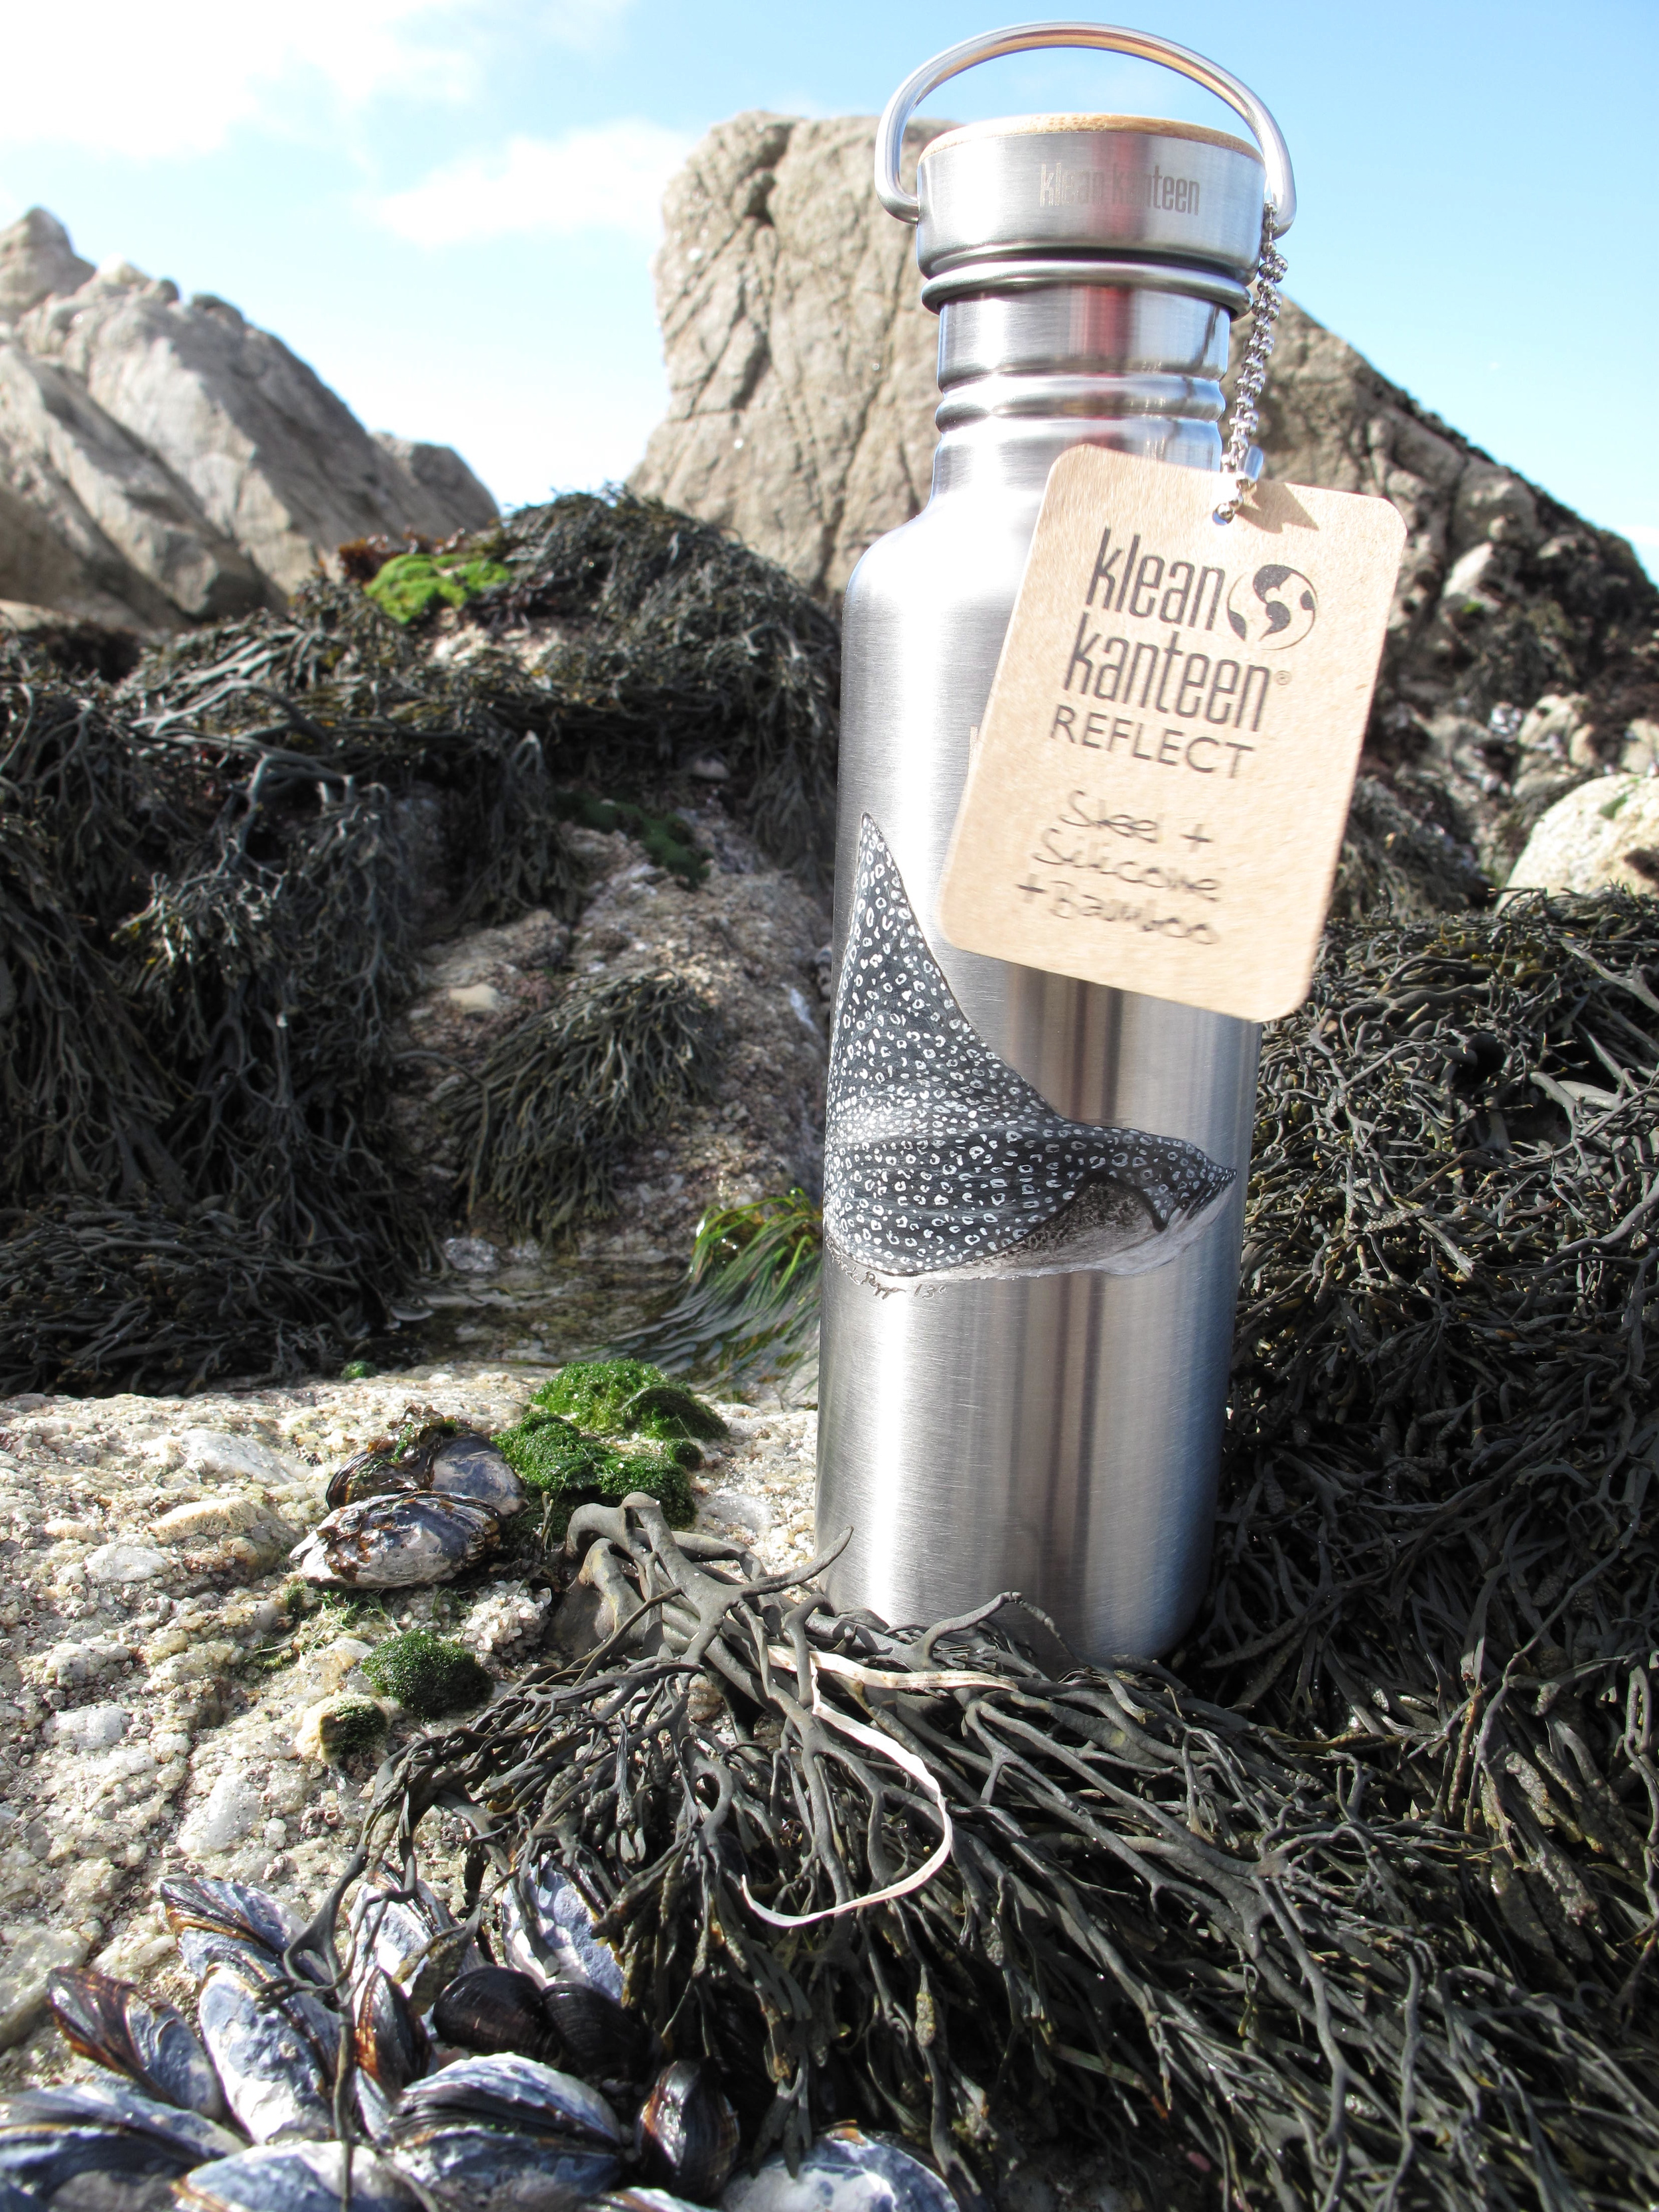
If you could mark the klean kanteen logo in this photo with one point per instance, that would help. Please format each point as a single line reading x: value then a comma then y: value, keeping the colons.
x: 1274, y: 608
x: 1060, y: 187
x: 1151, y: 641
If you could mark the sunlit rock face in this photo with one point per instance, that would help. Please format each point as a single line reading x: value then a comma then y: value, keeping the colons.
x: 164, y: 461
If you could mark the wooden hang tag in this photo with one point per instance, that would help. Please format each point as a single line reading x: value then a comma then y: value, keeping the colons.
x: 1157, y: 796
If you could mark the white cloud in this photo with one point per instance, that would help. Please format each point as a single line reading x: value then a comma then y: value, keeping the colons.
x: 177, y: 76
x: 609, y: 178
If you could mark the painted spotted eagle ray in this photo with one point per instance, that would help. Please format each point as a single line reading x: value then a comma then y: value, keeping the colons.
x: 940, y: 1160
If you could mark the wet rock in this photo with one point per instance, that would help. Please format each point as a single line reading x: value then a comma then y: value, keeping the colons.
x: 30, y: 1954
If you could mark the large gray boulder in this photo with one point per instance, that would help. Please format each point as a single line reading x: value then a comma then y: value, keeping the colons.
x: 163, y: 461
x: 801, y: 372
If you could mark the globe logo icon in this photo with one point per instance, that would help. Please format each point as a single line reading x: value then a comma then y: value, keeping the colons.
x: 1274, y: 608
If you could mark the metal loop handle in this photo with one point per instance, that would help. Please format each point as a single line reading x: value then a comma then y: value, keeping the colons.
x: 1019, y: 38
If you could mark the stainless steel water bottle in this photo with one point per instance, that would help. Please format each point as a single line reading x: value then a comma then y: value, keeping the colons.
x: 1034, y: 1187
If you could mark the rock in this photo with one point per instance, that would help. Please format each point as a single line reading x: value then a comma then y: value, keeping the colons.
x: 164, y: 460
x: 214, y: 1452
x: 444, y: 476
x: 137, y: 527
x: 36, y: 258
x: 92, y: 1727
x: 335, y: 1727
x: 125, y: 1563
x: 32, y: 1953
x: 230, y: 1811
x: 205, y: 1517
x: 800, y: 359
x: 205, y: 1767
x: 1606, y: 832
x: 801, y: 371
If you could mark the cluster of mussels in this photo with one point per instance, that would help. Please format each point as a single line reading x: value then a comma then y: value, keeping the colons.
x: 418, y: 1509
x: 412, y: 2074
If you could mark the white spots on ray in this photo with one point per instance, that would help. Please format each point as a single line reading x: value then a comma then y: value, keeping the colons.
x: 938, y: 1155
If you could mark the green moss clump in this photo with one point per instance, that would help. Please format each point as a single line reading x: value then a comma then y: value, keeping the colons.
x: 412, y: 586
x: 427, y: 1676
x: 351, y: 1724
x: 358, y: 1370
x: 552, y: 1457
x: 631, y: 1398
x: 666, y: 837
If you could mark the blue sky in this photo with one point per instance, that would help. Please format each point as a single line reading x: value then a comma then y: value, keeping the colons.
x: 448, y: 206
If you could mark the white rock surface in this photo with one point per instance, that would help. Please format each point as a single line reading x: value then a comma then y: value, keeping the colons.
x: 1606, y: 832
x: 163, y: 460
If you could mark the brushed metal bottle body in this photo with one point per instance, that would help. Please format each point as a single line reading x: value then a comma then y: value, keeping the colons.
x: 1058, y: 1434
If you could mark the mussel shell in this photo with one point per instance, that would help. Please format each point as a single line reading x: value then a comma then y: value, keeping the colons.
x: 276, y: 2060
x: 393, y: 1543
x: 642, y: 2200
x: 388, y: 2042
x: 687, y: 2136
x: 407, y: 1929
x: 232, y: 1909
x: 155, y: 2045
x: 844, y: 2171
x: 469, y: 1465
x: 598, y: 2039
x: 516, y: 2092
x: 547, y: 1931
x: 496, y: 2008
x: 476, y: 2168
x: 49, y: 2136
x: 301, y: 2177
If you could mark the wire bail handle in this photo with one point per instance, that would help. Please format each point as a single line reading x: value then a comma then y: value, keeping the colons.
x: 1108, y: 37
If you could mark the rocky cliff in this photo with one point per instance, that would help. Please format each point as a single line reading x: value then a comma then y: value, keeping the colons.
x: 1522, y: 652
x: 164, y: 461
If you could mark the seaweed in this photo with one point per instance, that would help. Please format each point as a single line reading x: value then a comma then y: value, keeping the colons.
x: 747, y: 1311
x: 624, y: 1397
x: 675, y: 640
x: 1354, y: 1900
x: 410, y: 586
x: 545, y: 1123
x: 214, y: 882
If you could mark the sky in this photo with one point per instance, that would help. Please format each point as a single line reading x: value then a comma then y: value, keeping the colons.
x: 450, y: 207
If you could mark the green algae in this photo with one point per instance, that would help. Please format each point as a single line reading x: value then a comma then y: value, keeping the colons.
x: 412, y: 586
x: 427, y: 1675
x: 555, y: 1460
